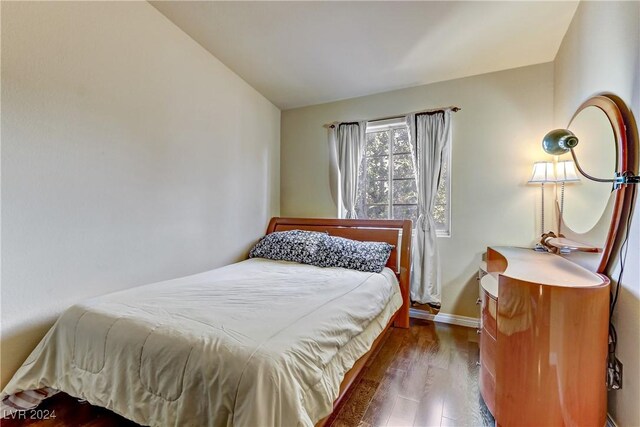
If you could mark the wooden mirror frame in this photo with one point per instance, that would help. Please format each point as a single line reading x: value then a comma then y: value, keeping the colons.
x: 626, y: 138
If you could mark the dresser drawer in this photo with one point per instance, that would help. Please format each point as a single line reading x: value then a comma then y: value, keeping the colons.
x: 488, y: 389
x: 489, y: 309
x: 488, y: 346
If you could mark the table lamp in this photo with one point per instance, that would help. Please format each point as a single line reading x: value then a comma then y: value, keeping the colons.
x: 543, y: 173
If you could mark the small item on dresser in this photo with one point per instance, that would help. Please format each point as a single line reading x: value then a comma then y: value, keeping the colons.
x: 543, y: 246
x: 559, y: 244
x: 567, y: 246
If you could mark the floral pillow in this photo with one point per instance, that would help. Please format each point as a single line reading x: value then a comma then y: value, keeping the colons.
x: 354, y: 254
x: 295, y: 245
x: 322, y: 250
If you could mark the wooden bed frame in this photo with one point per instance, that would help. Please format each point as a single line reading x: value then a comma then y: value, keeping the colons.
x: 395, y: 232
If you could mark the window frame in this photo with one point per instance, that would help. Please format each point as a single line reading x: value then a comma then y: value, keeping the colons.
x: 388, y: 126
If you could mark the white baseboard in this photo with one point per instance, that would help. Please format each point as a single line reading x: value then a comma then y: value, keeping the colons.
x: 610, y: 421
x: 452, y: 319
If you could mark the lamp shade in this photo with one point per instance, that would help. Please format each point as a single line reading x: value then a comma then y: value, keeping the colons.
x: 566, y: 171
x: 559, y: 141
x: 543, y: 173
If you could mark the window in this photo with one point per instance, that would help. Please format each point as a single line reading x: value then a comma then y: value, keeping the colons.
x: 387, y: 181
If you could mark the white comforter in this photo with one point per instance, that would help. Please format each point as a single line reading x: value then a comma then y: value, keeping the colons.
x: 257, y: 343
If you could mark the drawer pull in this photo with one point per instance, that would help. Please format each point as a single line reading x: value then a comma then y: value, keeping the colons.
x: 478, y: 301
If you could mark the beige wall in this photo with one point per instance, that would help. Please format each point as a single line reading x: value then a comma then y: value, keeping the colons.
x: 495, y: 142
x: 601, y: 52
x: 129, y: 155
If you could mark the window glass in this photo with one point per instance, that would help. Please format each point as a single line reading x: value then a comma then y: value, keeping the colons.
x: 387, y: 187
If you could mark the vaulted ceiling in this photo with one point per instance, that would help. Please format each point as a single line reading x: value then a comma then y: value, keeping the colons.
x: 307, y: 52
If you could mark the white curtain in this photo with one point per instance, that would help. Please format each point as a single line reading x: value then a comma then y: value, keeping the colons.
x: 430, y: 134
x: 349, y: 140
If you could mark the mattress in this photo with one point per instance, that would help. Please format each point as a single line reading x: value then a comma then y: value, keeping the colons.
x: 256, y: 343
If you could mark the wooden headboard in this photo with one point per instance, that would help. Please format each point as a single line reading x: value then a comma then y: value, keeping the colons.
x: 395, y: 232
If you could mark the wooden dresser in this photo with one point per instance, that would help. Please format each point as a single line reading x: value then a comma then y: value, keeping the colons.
x: 543, y: 339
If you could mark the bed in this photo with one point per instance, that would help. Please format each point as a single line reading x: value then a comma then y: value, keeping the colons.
x: 259, y: 342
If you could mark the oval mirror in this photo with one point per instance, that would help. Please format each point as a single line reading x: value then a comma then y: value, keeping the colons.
x: 591, y: 214
x: 586, y: 201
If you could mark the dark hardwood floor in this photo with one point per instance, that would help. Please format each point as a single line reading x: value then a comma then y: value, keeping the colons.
x: 422, y: 376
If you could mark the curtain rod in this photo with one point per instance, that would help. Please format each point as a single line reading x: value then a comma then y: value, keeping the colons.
x: 454, y: 109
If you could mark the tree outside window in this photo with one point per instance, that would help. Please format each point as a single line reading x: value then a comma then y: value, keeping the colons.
x: 387, y: 182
